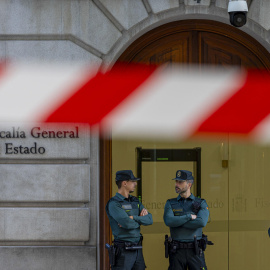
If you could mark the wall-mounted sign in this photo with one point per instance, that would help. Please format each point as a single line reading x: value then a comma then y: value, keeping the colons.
x: 44, y: 141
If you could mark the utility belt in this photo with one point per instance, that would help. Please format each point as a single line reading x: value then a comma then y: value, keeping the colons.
x: 178, y: 244
x: 114, y: 249
x: 128, y: 245
x: 198, y: 245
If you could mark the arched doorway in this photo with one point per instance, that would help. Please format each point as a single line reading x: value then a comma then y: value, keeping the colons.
x: 198, y: 42
x: 190, y: 42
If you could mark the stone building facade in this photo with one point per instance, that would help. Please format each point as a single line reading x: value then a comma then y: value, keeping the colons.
x: 49, y: 200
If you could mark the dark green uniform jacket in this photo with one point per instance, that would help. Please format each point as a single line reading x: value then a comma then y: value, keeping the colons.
x: 118, y: 210
x: 177, y: 216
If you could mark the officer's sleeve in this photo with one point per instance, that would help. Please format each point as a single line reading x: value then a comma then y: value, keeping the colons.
x: 174, y: 221
x: 120, y: 215
x: 202, y: 218
x: 143, y: 220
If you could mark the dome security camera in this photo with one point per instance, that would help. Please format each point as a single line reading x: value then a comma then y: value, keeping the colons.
x: 238, y: 12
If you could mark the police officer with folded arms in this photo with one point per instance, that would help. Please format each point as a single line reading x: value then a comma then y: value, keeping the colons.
x: 186, y: 216
x: 126, y: 214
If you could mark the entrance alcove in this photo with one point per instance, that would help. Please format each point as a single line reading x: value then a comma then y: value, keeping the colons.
x: 240, y: 220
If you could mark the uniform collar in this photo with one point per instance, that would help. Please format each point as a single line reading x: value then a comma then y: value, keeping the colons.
x: 191, y: 197
x: 121, y: 197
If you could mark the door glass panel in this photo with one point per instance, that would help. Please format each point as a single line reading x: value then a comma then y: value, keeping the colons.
x: 249, y: 211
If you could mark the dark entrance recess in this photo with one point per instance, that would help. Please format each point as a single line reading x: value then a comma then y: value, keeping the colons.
x: 190, y: 42
x: 169, y: 155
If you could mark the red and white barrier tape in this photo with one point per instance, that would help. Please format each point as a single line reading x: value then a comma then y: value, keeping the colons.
x: 137, y: 100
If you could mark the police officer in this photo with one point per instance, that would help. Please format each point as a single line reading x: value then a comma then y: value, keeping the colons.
x: 186, y: 215
x: 126, y: 214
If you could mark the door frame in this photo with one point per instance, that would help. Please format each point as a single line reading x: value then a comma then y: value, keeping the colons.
x: 169, y: 155
x: 105, y: 191
x: 105, y: 144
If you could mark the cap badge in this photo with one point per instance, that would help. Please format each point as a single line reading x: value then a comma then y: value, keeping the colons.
x: 178, y: 174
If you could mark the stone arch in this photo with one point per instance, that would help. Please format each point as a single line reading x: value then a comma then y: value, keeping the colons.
x: 181, y: 13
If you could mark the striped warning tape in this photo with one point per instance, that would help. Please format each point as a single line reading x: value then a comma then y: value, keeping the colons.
x: 139, y: 100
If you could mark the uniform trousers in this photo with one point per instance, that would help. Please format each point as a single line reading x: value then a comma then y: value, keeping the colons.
x: 129, y: 259
x: 185, y: 258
